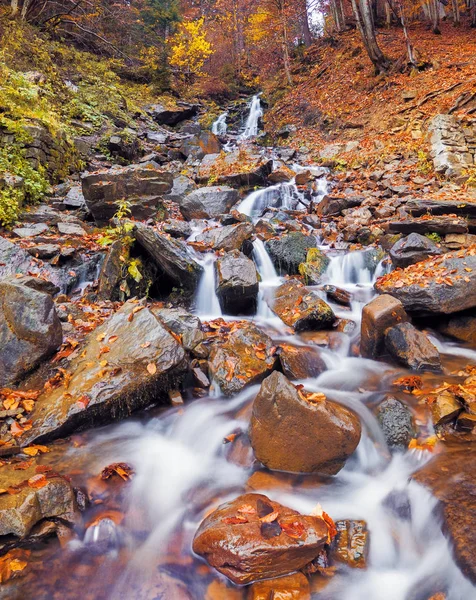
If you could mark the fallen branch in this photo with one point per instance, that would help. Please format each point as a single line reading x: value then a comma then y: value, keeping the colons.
x: 431, y: 95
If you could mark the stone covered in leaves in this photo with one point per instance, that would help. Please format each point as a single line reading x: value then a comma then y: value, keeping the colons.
x: 301, y: 433
x: 128, y: 363
x: 30, y: 330
x: 253, y: 538
x: 442, y: 285
x: 246, y: 355
x: 301, y: 308
x: 30, y: 493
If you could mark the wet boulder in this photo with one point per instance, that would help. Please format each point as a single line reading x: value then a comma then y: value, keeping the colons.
x: 246, y: 356
x: 396, y: 422
x: 253, y: 538
x: 37, y: 494
x: 237, y: 283
x: 314, y: 267
x: 30, y: 330
x: 171, y: 256
x: 301, y: 308
x: 208, y: 202
x: 142, y: 185
x: 301, y: 433
x: 112, y: 271
x: 230, y: 237
x: 172, y: 115
x: 129, y: 362
x: 412, y: 348
x: 301, y: 362
x: 289, y: 587
x: 412, y: 249
x: 379, y: 315
x: 452, y: 479
x: 350, y: 546
x: 442, y: 285
x: 290, y: 250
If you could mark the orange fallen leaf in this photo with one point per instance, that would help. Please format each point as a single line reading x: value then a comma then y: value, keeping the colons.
x: 152, y: 368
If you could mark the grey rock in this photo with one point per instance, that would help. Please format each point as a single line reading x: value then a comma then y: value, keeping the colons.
x: 396, y: 421
x: 237, y: 283
x: 30, y: 330
x: 208, y: 202
x: 412, y: 249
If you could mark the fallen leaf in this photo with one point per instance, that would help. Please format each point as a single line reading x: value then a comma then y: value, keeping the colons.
x: 152, y: 368
x: 124, y: 471
x: 294, y: 530
x: 235, y: 520
x: 269, y: 518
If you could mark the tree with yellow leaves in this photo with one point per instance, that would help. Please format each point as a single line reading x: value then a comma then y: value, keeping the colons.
x: 189, y: 48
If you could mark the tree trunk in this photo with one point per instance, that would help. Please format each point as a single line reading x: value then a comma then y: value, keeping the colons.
x: 338, y: 15
x: 398, y: 10
x: 365, y: 24
x: 284, y: 43
x: 306, y: 31
x: 456, y: 13
x: 473, y: 13
x: 14, y: 7
x: 434, y: 11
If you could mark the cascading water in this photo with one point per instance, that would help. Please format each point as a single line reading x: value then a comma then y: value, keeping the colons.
x: 269, y: 278
x: 219, y: 126
x: 283, y: 195
x: 252, y: 122
x: 206, y: 302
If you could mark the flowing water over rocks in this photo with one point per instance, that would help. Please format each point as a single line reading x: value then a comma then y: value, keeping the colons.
x: 295, y: 455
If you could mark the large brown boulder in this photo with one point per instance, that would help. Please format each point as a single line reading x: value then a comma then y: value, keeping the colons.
x: 199, y: 145
x: 253, y: 538
x: 128, y: 363
x: 142, y: 185
x: 379, y: 315
x: 301, y: 433
x: 301, y: 308
x: 442, y: 285
x: 30, y: 330
x: 246, y: 356
x: 412, y: 348
x: 237, y: 283
x: 450, y: 477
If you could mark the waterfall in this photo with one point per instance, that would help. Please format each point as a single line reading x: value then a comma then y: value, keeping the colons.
x: 264, y: 264
x: 252, y: 122
x: 219, y: 126
x: 282, y: 195
x: 206, y: 302
x: 269, y: 278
